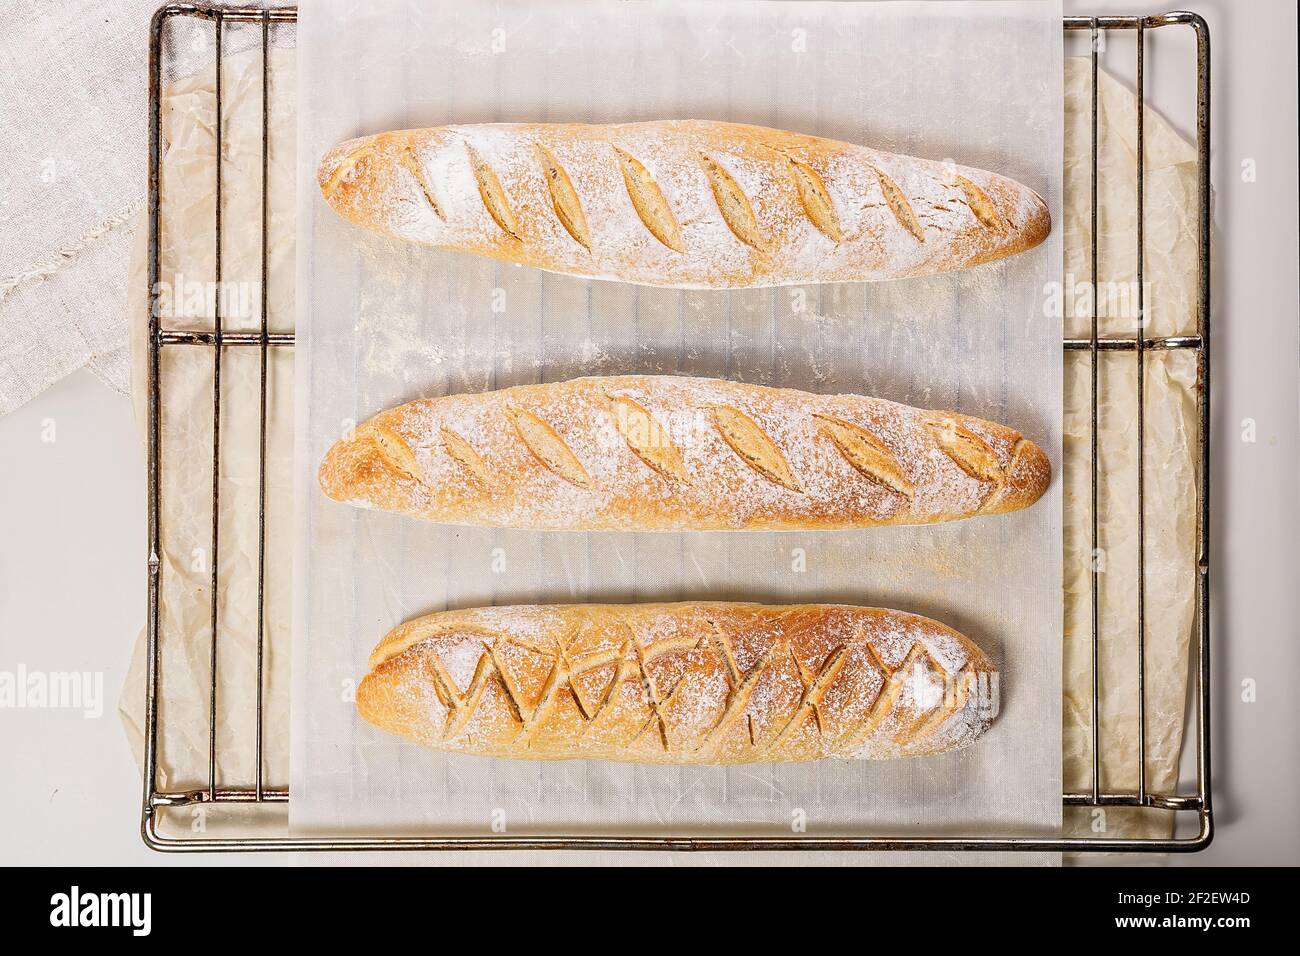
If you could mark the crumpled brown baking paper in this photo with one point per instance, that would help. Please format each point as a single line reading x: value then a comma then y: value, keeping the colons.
x: 1170, y: 440
x: 187, y: 257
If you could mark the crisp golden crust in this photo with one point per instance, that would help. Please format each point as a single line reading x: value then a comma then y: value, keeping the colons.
x: 640, y: 452
x: 683, y: 203
x: 701, y: 683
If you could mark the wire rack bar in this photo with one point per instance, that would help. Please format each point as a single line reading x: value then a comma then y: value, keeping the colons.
x: 1093, y: 366
x: 215, y: 551
x: 157, y: 800
x: 262, y: 400
x: 182, y: 798
x: 201, y: 337
x: 1203, y: 431
x: 1141, y: 420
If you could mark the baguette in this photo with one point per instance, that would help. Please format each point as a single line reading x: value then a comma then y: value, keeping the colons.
x: 682, y: 203
x: 700, y: 683
x: 653, y: 453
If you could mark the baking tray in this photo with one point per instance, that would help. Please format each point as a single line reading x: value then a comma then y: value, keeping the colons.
x: 261, y: 798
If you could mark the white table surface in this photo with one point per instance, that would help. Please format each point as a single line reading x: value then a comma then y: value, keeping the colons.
x: 72, y: 511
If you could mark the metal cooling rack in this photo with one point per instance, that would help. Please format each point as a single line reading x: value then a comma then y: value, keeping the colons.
x: 256, y: 795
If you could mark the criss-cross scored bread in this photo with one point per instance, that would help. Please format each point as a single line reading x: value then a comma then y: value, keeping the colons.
x: 708, y: 683
x: 646, y: 452
x: 683, y: 203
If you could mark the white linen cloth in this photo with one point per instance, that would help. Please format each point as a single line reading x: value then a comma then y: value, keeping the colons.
x: 73, y: 165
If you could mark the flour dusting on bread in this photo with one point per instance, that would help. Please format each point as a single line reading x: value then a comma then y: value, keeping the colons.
x: 681, y: 203
x: 647, y: 452
x: 702, y: 683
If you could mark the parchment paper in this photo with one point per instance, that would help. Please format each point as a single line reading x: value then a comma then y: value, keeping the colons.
x: 187, y: 260
x: 187, y: 437
x: 1170, y: 472
x: 380, y: 323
